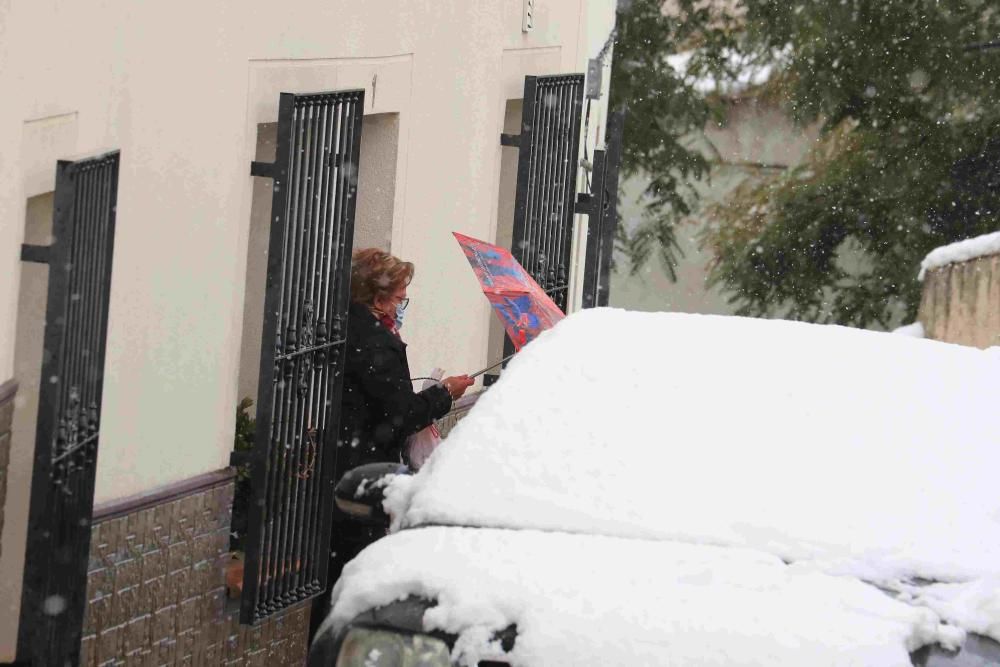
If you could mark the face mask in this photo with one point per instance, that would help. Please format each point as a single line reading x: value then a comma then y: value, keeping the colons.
x: 400, y: 311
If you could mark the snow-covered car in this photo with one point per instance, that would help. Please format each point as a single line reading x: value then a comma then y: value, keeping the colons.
x: 663, y: 489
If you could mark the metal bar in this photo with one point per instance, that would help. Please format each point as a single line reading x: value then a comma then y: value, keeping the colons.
x: 76, y: 447
x: 335, y: 167
x: 346, y: 164
x: 569, y: 187
x: 297, y: 428
x: 593, y: 212
x: 555, y: 221
x: 88, y: 295
x: 521, y: 193
x: 61, y: 497
x: 566, y: 200
x: 549, y: 186
x: 76, y: 388
x: 75, y: 267
x: 548, y: 99
x: 315, y: 292
x: 262, y: 169
x: 255, y: 559
x: 510, y: 140
x: 585, y: 201
x: 35, y: 253
x: 346, y: 229
x: 609, y: 213
x: 521, y: 240
x: 285, y: 371
x: 531, y: 238
x: 286, y: 437
x: 323, y: 314
x: 488, y: 368
x: 318, y: 396
x: 293, y: 556
x: 288, y: 541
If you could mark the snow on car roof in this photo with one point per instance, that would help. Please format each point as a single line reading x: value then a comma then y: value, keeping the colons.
x: 852, y: 454
x: 871, y: 452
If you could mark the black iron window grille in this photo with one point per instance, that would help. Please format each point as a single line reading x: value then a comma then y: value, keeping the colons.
x: 601, y: 208
x: 549, y: 146
x: 302, y: 353
x: 69, y: 412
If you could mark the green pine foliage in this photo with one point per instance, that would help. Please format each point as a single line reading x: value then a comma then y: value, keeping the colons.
x: 908, y: 158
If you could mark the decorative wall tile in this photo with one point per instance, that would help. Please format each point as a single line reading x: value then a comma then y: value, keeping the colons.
x: 157, y: 596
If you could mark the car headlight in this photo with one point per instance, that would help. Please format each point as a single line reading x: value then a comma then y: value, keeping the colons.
x: 368, y: 647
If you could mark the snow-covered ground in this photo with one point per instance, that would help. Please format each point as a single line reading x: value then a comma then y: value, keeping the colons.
x: 749, y: 479
x: 914, y: 330
x: 961, y: 251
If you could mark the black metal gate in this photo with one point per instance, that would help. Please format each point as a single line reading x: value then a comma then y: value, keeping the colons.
x: 69, y: 410
x: 601, y: 207
x: 549, y: 146
x: 302, y: 352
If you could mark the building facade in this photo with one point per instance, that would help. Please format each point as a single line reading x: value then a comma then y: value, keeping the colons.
x: 183, y: 98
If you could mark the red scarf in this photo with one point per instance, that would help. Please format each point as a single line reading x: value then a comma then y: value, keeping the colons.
x: 386, y: 321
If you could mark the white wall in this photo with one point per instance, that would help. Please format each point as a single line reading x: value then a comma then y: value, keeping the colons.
x: 181, y: 89
x: 754, y: 140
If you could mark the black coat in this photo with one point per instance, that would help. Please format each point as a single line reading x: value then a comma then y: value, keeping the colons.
x: 379, y: 408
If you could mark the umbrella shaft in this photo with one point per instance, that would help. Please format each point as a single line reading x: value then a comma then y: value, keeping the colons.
x: 478, y: 373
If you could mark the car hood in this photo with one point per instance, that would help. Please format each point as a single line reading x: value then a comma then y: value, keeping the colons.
x: 596, y: 600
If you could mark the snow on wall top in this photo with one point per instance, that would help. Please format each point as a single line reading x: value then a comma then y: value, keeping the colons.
x: 961, y: 251
x: 869, y: 453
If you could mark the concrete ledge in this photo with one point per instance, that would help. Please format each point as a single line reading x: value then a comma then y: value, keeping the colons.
x: 122, y: 506
x: 961, y: 302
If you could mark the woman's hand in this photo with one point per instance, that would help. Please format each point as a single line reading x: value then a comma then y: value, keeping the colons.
x: 457, y: 384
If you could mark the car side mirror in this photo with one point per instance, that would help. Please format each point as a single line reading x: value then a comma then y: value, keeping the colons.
x: 360, y: 492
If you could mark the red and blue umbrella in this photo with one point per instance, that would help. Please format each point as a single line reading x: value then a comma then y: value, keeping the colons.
x: 523, y: 307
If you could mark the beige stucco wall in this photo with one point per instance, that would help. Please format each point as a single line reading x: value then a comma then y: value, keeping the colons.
x: 181, y: 89
x: 183, y: 99
x: 961, y: 302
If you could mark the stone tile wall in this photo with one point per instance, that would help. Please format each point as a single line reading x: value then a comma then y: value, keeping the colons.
x: 7, y: 392
x: 156, y: 592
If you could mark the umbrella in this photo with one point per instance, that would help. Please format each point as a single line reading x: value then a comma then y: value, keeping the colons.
x: 524, y: 307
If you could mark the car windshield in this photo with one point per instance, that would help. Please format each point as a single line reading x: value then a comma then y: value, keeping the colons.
x: 850, y: 453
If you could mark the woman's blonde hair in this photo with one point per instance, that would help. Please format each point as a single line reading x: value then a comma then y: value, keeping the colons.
x: 375, y: 274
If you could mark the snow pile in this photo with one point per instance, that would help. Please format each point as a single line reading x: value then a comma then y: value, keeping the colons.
x: 962, y: 251
x: 915, y: 330
x: 852, y: 455
x: 586, y: 601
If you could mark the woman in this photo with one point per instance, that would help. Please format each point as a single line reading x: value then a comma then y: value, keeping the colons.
x: 379, y: 409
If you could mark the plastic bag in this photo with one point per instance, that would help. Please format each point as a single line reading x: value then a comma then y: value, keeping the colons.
x: 421, y: 444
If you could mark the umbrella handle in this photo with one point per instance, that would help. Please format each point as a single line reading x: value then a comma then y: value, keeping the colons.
x: 478, y: 373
